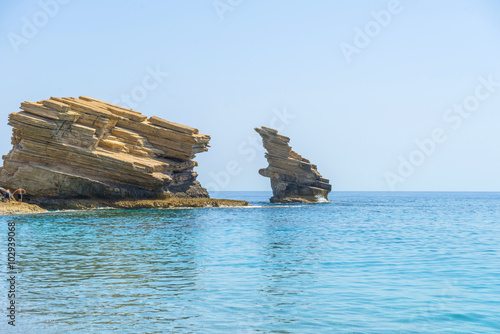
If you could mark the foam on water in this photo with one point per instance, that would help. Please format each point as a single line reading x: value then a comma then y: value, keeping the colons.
x: 320, y: 199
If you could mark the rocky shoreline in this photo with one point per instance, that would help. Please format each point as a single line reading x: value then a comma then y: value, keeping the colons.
x: 46, y: 205
x: 83, y: 153
x: 14, y: 208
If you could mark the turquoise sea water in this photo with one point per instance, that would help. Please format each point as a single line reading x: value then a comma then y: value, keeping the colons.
x: 365, y: 263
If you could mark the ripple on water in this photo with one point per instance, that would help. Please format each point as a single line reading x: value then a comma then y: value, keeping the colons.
x: 367, y: 262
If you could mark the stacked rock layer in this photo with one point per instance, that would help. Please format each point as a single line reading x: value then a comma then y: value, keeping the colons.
x: 87, y: 148
x: 293, y: 178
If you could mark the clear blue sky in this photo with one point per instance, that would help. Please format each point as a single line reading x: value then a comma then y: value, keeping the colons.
x: 234, y: 67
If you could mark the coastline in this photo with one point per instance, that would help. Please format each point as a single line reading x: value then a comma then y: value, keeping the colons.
x: 15, y: 208
x: 46, y: 205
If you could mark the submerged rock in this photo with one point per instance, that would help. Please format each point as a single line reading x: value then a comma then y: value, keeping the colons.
x: 87, y: 148
x: 170, y: 203
x: 293, y: 178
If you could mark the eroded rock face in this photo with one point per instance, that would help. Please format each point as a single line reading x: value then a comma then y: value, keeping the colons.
x: 87, y: 148
x: 293, y: 178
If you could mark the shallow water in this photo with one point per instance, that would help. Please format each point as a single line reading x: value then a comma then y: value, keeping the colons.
x: 365, y: 263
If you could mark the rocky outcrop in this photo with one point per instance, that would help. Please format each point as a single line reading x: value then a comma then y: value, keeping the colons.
x: 293, y: 178
x: 43, y: 205
x: 15, y: 208
x: 87, y: 148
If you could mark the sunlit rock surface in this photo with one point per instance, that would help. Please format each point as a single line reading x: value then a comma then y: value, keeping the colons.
x: 87, y: 148
x: 293, y: 178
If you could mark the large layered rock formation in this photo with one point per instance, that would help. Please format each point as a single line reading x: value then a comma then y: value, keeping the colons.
x: 87, y: 148
x: 293, y: 178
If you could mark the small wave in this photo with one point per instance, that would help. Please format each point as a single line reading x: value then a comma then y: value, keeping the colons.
x: 279, y: 206
x: 320, y: 199
x: 64, y: 210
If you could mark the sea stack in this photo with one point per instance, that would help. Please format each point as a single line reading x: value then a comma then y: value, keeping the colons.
x: 86, y: 148
x: 294, y: 179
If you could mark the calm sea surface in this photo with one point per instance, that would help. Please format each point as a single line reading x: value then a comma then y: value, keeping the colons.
x: 369, y: 262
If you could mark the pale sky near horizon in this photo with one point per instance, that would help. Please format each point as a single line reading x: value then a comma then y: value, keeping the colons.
x: 354, y: 84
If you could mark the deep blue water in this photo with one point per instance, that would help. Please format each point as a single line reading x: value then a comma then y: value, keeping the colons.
x: 369, y: 262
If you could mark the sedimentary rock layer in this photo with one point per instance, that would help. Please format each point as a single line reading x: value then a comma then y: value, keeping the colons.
x: 293, y: 178
x: 87, y: 148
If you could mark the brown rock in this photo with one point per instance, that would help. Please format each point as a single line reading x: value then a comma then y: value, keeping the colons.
x: 293, y: 178
x: 87, y: 148
x: 172, y: 126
